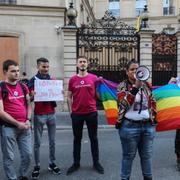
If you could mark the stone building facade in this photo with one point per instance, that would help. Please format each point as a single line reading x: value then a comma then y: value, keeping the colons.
x: 30, y: 29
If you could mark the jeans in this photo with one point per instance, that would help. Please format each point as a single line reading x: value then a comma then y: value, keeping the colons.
x: 177, y: 143
x: 9, y: 137
x: 136, y: 136
x: 39, y: 122
x: 77, y: 125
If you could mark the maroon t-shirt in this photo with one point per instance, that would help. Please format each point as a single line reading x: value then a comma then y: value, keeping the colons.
x: 43, y: 108
x: 83, y: 93
x: 15, y: 104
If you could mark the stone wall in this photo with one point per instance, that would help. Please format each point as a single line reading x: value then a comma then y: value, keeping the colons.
x: 35, y: 27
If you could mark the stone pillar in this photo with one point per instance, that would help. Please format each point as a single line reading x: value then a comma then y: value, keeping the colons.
x: 146, y: 48
x: 70, y: 50
x: 178, y: 52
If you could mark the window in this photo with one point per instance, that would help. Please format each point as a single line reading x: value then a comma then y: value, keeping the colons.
x: 7, y: 1
x: 169, y: 30
x: 168, y: 8
x: 114, y: 7
x: 140, y: 6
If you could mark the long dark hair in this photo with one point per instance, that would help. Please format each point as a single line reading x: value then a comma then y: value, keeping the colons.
x: 132, y: 61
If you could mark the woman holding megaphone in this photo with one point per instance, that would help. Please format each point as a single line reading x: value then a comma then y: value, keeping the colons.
x: 136, y: 120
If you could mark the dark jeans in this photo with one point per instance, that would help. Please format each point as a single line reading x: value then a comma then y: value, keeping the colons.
x: 177, y: 143
x: 77, y: 125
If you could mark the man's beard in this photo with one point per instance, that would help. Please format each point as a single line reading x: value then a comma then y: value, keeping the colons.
x: 83, y: 69
x: 14, y: 79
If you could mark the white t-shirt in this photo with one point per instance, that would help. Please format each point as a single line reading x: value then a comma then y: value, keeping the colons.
x: 133, y: 112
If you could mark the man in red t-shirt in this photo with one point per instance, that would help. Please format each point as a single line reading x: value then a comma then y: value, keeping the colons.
x: 15, y: 112
x: 82, y: 105
x: 44, y: 113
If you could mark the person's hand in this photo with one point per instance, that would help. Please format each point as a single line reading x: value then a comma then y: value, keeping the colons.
x: 22, y: 125
x: 62, y: 91
x: 100, y: 78
x: 32, y: 93
x: 173, y: 80
x: 28, y: 123
x: 138, y: 84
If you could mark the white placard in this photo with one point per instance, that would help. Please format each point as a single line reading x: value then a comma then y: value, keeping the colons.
x: 48, y: 90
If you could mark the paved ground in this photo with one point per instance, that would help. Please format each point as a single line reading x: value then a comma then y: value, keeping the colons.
x: 110, y: 155
x: 64, y: 120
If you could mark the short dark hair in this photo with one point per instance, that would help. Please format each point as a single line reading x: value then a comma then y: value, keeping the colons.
x: 132, y: 61
x: 42, y: 59
x: 8, y: 63
x: 84, y: 57
x: 24, y: 74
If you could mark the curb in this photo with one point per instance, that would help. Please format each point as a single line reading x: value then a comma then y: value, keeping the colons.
x: 70, y: 127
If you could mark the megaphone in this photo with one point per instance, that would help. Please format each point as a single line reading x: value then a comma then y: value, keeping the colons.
x: 142, y: 73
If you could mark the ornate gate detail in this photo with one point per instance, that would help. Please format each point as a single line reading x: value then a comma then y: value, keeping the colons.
x: 164, y: 58
x: 108, y: 44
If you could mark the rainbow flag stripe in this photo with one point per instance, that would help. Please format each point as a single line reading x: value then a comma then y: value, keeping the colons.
x: 107, y: 91
x: 168, y: 107
x: 167, y: 104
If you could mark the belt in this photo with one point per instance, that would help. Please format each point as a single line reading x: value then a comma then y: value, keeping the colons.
x: 143, y: 121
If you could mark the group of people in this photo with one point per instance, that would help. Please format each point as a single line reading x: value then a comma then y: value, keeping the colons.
x: 16, y: 115
x: 136, y: 120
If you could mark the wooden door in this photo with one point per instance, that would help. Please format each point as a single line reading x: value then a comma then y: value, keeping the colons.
x: 9, y: 49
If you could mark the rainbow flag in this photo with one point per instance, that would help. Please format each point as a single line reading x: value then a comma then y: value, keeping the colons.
x: 167, y: 104
x: 168, y: 107
x: 108, y: 95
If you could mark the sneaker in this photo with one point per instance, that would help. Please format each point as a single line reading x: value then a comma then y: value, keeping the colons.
x: 54, y: 169
x: 178, y: 165
x: 35, y: 173
x: 23, y: 178
x: 98, y: 167
x: 72, y: 169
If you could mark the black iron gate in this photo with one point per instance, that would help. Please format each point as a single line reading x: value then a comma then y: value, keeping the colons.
x: 108, y: 44
x: 164, y: 58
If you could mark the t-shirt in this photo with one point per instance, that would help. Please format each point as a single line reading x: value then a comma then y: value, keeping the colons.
x: 43, y: 108
x: 133, y: 112
x: 83, y: 93
x: 15, y: 103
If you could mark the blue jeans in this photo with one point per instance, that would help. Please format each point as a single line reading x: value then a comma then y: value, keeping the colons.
x: 135, y: 136
x: 39, y: 122
x: 9, y: 137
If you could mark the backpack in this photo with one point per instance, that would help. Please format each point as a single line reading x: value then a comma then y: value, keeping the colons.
x: 4, y: 96
x: 5, y: 92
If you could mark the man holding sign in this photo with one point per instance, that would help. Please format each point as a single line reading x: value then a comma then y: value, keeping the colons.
x: 44, y: 113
